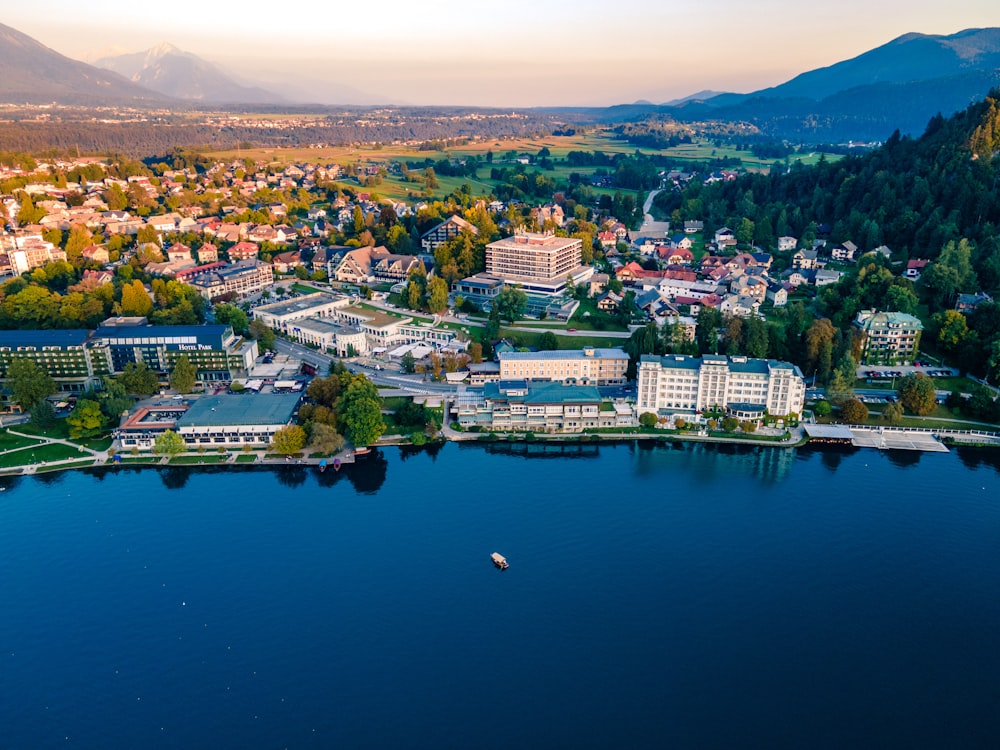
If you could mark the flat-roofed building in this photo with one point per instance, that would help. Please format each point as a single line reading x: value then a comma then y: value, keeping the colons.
x: 236, y: 419
x: 70, y: 357
x: 587, y: 366
x: 540, y: 263
x: 281, y: 315
x: 522, y: 406
x: 215, y: 350
x: 746, y: 388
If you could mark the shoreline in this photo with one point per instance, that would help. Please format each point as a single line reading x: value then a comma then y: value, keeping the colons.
x: 258, y: 459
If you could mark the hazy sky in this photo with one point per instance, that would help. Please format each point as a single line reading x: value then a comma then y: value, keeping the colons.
x: 511, y: 53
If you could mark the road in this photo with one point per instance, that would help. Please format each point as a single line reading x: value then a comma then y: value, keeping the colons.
x: 650, y: 227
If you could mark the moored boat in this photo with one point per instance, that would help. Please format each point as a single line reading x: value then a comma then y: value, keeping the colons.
x: 499, y: 560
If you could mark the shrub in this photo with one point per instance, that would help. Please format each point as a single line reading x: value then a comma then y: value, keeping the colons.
x: 647, y: 419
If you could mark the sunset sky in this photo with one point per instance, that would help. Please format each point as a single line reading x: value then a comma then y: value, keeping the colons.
x: 516, y: 53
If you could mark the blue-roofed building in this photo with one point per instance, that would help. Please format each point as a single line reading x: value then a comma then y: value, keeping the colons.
x: 746, y: 388
x: 69, y: 356
x: 215, y: 350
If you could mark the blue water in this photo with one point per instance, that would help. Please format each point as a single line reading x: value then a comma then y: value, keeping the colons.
x: 657, y: 596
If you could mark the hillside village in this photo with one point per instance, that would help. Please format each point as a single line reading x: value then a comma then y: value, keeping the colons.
x: 106, y: 259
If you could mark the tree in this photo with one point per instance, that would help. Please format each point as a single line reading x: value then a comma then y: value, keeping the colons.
x: 840, y: 390
x: 511, y: 303
x: 138, y: 378
x: 917, y: 394
x: 729, y: 424
x: 86, y: 419
x: 748, y: 427
x: 28, y: 383
x: 168, y: 443
x: 647, y: 419
x: 437, y: 295
x: 476, y: 352
x: 854, y: 412
x: 43, y: 416
x: 323, y: 438
x: 289, y: 440
x: 135, y: 300
x: 233, y: 316
x: 408, y: 363
x: 892, y: 414
x: 184, y: 375
x: 360, y: 410
x: 822, y: 409
x: 548, y: 341
x: 265, y: 337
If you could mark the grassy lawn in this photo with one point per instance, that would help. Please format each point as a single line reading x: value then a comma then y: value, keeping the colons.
x: 148, y: 459
x: 34, y: 455
x: 9, y: 442
x: 303, y: 289
x: 246, y: 458
x: 59, y: 430
x: 208, y: 458
x: 570, y: 341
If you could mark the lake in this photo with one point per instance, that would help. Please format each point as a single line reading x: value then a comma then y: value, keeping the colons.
x: 658, y: 596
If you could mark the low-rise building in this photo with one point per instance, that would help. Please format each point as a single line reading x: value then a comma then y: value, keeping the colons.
x: 521, y: 406
x: 587, y: 366
x: 281, y: 315
x: 746, y: 388
x: 235, y: 420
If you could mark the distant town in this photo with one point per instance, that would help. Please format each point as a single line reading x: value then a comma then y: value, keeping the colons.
x: 264, y: 310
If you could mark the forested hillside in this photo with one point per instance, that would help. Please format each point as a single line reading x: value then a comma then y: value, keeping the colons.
x: 914, y: 195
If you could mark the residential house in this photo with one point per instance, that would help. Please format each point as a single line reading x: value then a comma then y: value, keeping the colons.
x: 692, y: 227
x: 448, y: 229
x: 844, y: 252
x: 598, y: 283
x: 967, y: 303
x: 178, y: 252
x: 95, y: 254
x: 208, y: 253
x: 805, y: 260
x: 609, y: 302
x: 286, y: 262
x: 787, y: 244
x: 725, y: 237
x: 914, y: 268
x: 243, y: 251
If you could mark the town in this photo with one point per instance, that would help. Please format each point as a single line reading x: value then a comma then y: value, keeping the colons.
x: 260, y: 309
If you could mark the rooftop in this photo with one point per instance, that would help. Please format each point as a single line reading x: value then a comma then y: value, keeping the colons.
x: 300, y: 304
x: 38, y: 338
x: 566, y: 354
x: 241, y: 409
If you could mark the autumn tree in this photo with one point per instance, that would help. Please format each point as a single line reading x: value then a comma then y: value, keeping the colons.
x: 135, y: 300
x: 86, y: 419
x: 854, y: 411
x: 288, y: 440
x: 917, y: 393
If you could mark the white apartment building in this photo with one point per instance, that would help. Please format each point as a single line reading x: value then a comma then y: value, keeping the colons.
x: 746, y: 388
x: 540, y: 263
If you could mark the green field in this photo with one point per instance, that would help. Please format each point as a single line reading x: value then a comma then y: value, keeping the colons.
x: 10, y: 442
x: 396, y: 188
x: 207, y: 458
x: 36, y: 454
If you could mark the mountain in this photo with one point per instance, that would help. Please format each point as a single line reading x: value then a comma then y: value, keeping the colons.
x: 899, y: 85
x: 32, y: 73
x: 173, y: 72
x: 699, y: 96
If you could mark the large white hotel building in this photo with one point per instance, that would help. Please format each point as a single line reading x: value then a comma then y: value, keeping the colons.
x: 745, y: 388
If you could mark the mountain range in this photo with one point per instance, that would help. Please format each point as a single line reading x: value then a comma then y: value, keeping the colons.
x: 31, y: 73
x: 899, y: 85
x: 168, y: 70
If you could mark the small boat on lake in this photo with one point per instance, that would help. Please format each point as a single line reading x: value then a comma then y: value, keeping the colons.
x: 362, y: 451
x: 322, y: 466
x: 336, y: 464
x: 499, y: 560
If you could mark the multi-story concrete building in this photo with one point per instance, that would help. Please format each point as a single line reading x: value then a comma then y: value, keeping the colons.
x: 237, y: 279
x: 890, y: 337
x: 745, y: 388
x: 540, y: 263
x: 587, y: 366
x: 78, y: 359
